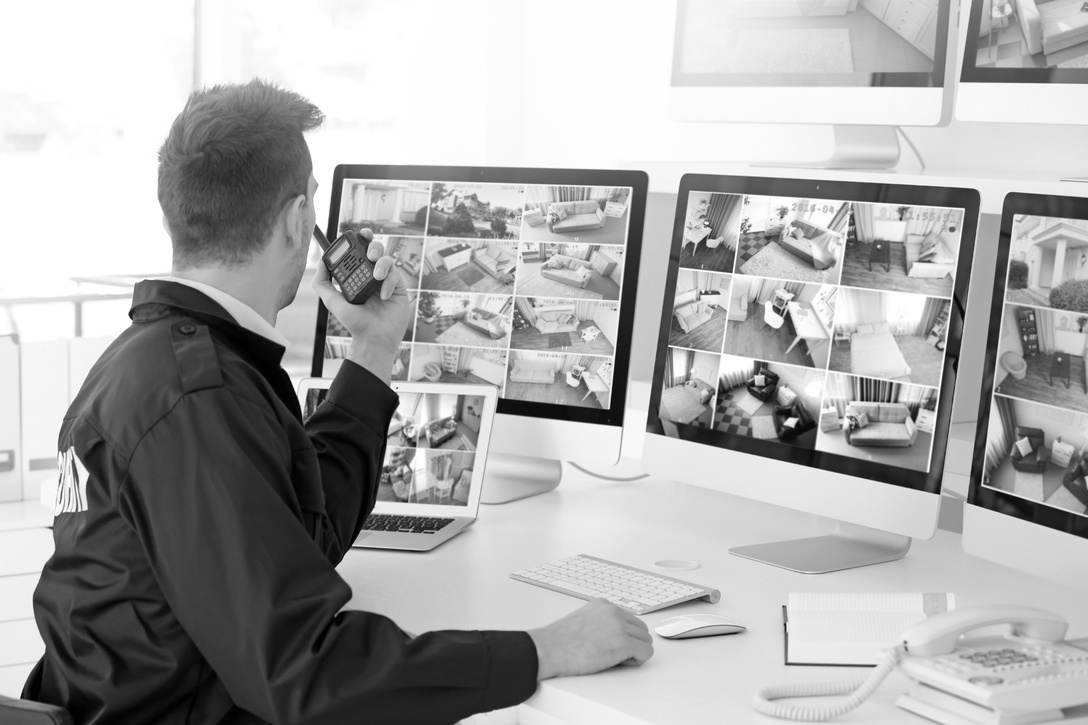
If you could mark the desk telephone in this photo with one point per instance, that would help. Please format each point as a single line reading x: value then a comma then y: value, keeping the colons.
x: 1027, y: 675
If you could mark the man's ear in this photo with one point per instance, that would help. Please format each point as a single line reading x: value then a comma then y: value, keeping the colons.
x: 293, y: 219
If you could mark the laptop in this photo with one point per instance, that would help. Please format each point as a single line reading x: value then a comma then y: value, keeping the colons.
x: 433, y: 470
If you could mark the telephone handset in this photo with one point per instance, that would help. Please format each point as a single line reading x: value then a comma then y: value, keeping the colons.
x: 1025, y: 675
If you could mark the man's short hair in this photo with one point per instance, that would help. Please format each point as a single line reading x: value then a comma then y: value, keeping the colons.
x: 234, y: 156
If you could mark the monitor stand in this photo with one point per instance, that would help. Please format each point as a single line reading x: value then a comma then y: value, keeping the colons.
x: 847, y: 547
x: 857, y: 147
x: 509, y: 477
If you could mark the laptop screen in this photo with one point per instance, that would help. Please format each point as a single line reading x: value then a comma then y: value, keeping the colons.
x: 430, y: 448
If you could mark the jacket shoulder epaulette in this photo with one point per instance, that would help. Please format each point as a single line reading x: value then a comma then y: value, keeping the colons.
x: 194, y: 353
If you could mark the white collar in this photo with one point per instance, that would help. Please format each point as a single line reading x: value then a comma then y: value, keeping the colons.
x: 242, y: 313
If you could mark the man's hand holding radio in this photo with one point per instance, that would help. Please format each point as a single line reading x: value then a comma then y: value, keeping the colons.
x: 377, y: 327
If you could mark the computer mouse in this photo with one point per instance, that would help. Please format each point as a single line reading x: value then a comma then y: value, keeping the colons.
x: 698, y: 625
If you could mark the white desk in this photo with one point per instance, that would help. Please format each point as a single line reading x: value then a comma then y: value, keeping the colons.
x: 596, y: 387
x: 807, y: 324
x: 693, y: 237
x: 695, y: 681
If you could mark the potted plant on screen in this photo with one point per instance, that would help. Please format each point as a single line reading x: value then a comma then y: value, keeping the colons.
x: 428, y: 310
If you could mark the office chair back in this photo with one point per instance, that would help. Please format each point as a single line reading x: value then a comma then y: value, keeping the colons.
x: 26, y: 712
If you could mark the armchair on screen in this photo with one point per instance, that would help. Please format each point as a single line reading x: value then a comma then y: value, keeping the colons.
x: 1028, y: 452
x: 763, y: 384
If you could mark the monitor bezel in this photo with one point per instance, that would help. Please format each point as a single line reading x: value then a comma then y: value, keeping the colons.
x: 638, y: 181
x: 851, y: 191
x: 988, y: 499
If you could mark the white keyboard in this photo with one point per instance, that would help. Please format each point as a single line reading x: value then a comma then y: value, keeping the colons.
x: 635, y: 590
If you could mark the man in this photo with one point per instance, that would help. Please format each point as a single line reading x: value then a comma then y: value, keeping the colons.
x: 199, y: 523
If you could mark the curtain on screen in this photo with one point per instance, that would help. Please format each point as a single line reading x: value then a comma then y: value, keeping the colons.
x: 762, y: 290
x: 735, y: 371
x: 841, y: 219
x: 539, y: 197
x: 1002, y: 434
x: 863, y: 222
x: 840, y: 390
x: 859, y: 307
x: 1044, y: 324
x: 723, y: 215
x: 931, y: 312
x: 526, y: 309
x: 680, y: 361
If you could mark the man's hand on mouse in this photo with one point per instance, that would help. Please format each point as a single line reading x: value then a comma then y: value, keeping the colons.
x: 590, y: 639
x: 376, y: 327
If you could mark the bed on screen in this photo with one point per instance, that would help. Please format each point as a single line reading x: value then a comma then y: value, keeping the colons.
x: 684, y: 403
x: 875, y: 354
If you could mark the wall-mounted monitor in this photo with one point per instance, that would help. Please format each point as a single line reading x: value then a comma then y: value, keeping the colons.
x: 852, y: 63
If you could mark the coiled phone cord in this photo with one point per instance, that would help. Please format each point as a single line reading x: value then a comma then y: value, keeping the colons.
x: 858, y: 689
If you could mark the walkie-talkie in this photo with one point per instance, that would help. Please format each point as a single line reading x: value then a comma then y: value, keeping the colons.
x: 348, y: 264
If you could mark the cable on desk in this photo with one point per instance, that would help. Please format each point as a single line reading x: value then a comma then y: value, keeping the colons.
x: 858, y: 691
x: 607, y: 478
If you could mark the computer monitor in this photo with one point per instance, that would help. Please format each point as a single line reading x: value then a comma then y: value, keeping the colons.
x: 519, y: 278
x: 1024, y: 61
x: 807, y: 354
x: 867, y: 66
x: 1028, y: 501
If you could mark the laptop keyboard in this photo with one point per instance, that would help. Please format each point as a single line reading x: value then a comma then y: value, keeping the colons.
x: 405, y: 524
x: 635, y: 590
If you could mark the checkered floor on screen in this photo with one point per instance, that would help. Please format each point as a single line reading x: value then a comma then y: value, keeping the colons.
x: 750, y: 244
x: 1008, y: 51
x: 731, y: 419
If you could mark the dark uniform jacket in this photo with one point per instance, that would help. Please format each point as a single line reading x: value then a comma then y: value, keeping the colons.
x: 198, y: 527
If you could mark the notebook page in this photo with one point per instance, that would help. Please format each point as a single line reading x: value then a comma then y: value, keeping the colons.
x: 853, y: 629
x: 929, y: 603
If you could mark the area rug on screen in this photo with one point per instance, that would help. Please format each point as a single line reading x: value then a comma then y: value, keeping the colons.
x: 1029, y: 485
x: 1081, y: 62
x: 469, y: 274
x: 747, y: 402
x: 763, y: 427
x: 460, y: 334
x: 1064, y: 499
x: 558, y: 339
x: 774, y: 261
x: 529, y: 285
x: 679, y: 406
x: 793, y: 50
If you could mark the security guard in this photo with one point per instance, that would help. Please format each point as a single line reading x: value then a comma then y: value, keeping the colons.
x: 199, y: 521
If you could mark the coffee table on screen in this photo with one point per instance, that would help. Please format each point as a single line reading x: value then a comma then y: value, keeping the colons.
x: 880, y: 252
x: 1059, y: 368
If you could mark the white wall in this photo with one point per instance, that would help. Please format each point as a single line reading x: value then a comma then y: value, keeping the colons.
x: 608, y: 320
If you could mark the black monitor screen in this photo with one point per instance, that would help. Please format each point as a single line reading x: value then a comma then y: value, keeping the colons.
x: 1029, y: 457
x: 815, y: 322
x: 519, y: 278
